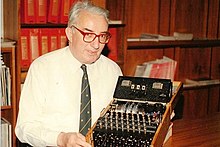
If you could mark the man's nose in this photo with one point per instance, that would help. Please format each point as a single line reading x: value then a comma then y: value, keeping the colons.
x: 95, y: 43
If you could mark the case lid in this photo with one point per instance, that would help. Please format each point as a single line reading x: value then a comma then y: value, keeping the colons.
x: 143, y: 89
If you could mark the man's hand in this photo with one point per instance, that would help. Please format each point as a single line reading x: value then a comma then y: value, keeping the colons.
x: 72, y: 139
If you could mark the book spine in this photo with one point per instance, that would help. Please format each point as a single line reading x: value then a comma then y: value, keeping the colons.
x: 29, y: 12
x: 44, y: 40
x: 64, y: 10
x: 41, y: 11
x: 34, y: 44
x: 6, y: 133
x: 25, y: 48
x: 53, y: 39
x: 54, y: 8
x: 3, y: 87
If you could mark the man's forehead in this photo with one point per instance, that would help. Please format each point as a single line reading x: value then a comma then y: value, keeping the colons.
x: 92, y: 22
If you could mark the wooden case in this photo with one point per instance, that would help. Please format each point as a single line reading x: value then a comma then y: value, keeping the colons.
x: 163, y: 126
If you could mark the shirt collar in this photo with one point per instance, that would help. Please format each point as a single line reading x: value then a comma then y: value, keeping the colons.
x: 72, y: 61
x: 75, y: 63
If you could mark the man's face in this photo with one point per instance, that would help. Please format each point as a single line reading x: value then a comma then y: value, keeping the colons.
x: 90, y: 23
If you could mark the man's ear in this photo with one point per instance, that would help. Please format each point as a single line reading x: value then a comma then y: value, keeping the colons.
x: 69, y: 33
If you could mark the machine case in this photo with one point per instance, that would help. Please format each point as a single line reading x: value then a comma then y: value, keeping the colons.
x: 138, y: 115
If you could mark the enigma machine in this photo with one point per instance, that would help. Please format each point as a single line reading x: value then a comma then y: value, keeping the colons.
x: 139, y: 114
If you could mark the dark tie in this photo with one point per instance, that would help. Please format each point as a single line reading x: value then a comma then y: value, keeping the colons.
x: 85, y: 108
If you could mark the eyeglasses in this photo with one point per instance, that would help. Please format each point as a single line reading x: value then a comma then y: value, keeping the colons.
x: 89, y: 37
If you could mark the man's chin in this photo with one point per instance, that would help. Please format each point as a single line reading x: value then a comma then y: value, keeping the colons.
x: 92, y: 60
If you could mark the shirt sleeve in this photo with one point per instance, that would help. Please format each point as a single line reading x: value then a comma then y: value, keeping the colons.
x: 29, y: 127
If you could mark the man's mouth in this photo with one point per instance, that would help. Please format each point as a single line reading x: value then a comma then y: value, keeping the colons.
x: 92, y: 52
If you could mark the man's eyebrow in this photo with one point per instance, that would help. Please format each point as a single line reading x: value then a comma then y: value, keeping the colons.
x: 87, y: 29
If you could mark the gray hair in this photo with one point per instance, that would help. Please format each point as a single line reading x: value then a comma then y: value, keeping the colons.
x: 86, y: 5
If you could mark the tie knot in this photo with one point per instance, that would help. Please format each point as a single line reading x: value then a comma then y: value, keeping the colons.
x: 83, y: 67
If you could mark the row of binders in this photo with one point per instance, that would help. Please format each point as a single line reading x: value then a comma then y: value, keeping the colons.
x: 6, y: 133
x: 45, y: 11
x: 38, y: 41
x: 6, y: 84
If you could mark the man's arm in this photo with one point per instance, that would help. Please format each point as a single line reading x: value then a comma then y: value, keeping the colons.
x: 29, y: 123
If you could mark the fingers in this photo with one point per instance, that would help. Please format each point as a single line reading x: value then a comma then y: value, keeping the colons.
x: 72, y: 140
x: 82, y: 140
x: 81, y: 136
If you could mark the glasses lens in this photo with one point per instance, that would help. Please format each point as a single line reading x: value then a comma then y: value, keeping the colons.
x: 89, y: 37
x: 103, y: 38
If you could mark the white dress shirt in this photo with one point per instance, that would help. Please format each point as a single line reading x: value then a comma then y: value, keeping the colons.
x: 50, y: 98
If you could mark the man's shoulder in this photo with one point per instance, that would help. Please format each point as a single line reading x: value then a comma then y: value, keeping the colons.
x: 51, y: 56
x: 108, y: 65
x: 106, y: 61
x: 47, y: 60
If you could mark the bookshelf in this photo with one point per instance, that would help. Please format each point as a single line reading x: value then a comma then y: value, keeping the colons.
x: 135, y: 45
x: 9, y: 111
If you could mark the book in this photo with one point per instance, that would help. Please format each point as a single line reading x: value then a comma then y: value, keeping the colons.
x: 44, y: 40
x: 156, y: 37
x: 25, y: 48
x: 133, y: 39
x: 2, y: 19
x: 157, y: 70
x: 183, y: 36
x: 64, y: 10
x: 164, y: 68
x: 8, y: 86
x: 112, y: 45
x: 54, y: 8
x: 152, y: 37
x: 139, y: 70
x: 28, y: 11
x: 3, y: 85
x: 6, y: 133
x: 200, y: 82
x: 34, y: 44
x: 41, y: 11
x: 53, y: 39
x: 115, y: 22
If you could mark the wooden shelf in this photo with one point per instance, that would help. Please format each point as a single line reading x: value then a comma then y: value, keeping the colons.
x: 201, y: 84
x: 132, y: 45
x: 51, y: 25
x: 116, y: 25
x: 5, y: 107
x: 48, y: 25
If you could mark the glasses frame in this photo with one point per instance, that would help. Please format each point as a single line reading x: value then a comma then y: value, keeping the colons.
x: 85, y: 33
